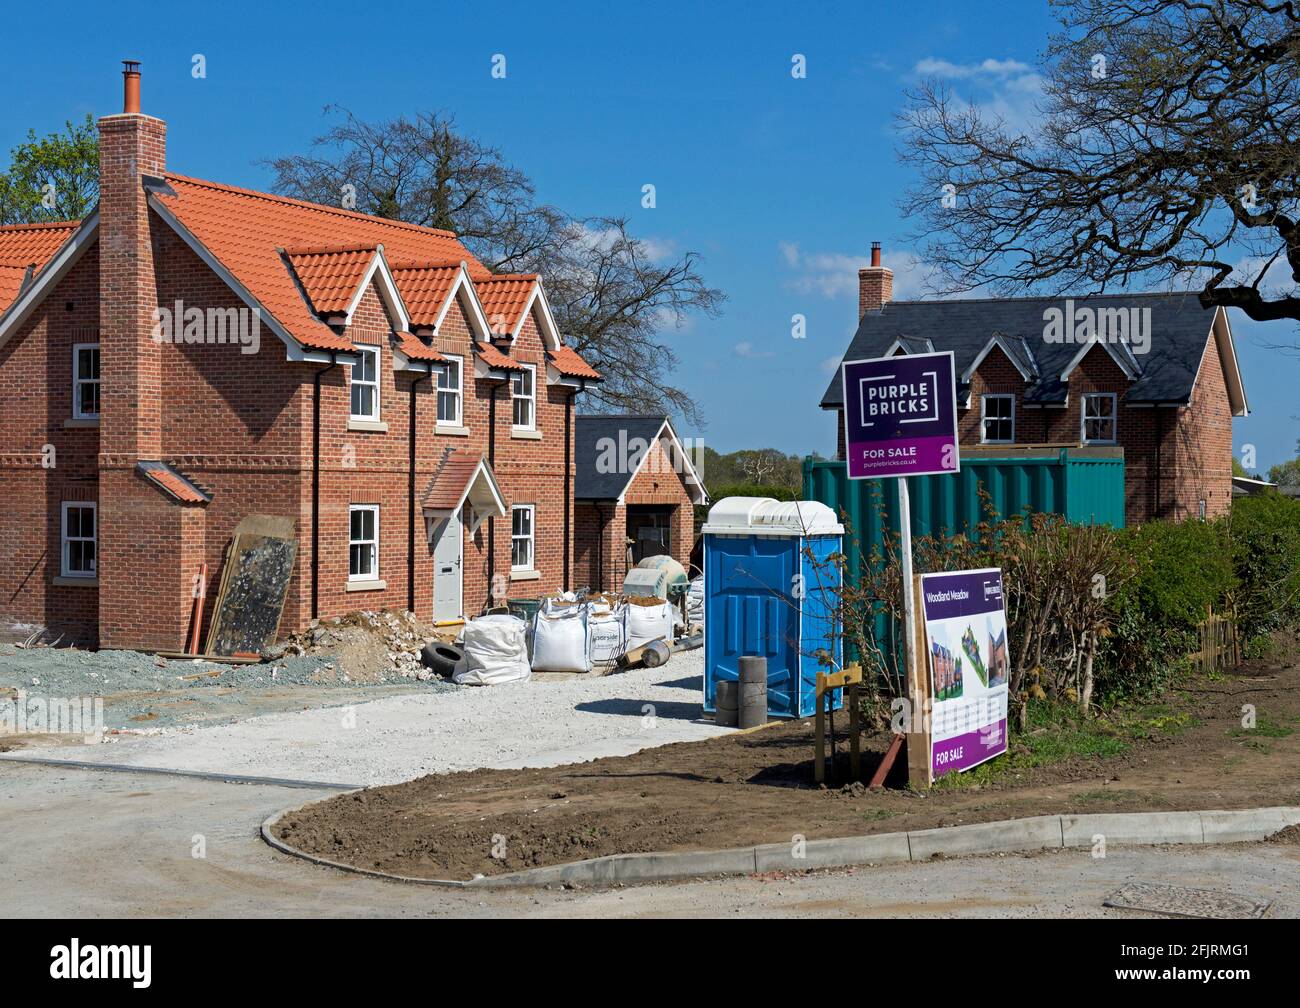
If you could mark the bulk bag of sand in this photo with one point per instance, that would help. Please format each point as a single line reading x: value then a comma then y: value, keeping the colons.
x: 560, y: 640
x: 496, y: 651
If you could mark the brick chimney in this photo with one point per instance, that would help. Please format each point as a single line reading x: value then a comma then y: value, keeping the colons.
x: 131, y: 145
x: 149, y: 547
x: 875, y: 284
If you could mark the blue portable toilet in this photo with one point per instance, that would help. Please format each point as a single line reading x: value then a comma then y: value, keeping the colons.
x: 769, y: 591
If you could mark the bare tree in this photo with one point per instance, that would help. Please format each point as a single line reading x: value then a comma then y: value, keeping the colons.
x: 613, y: 299
x: 1164, y: 152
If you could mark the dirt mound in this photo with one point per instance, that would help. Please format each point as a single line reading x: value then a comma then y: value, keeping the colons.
x: 363, y: 647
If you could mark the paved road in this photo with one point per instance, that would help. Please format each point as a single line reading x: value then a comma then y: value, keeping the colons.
x: 81, y: 843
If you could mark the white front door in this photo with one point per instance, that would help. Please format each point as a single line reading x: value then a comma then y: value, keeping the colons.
x: 448, y: 548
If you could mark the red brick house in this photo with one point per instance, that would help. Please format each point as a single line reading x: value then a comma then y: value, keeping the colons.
x: 1154, y: 375
x: 192, y: 353
x: 635, y: 495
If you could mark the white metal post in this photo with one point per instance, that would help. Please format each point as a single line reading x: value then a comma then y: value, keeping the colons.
x: 905, y: 562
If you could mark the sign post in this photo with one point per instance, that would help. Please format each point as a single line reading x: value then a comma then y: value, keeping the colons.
x: 900, y: 420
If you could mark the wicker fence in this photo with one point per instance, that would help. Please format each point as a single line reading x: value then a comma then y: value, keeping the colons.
x: 1220, y: 647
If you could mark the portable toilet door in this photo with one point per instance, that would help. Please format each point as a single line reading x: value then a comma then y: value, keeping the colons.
x: 756, y: 581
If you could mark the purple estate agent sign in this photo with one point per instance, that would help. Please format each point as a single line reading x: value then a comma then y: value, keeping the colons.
x: 900, y: 416
x: 966, y: 639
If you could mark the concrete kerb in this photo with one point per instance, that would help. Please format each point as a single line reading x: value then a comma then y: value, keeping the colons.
x: 1054, y: 832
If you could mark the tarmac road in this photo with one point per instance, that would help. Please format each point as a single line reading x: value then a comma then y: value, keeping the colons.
x: 89, y: 843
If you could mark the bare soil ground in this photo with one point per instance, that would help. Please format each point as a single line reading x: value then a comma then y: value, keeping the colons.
x: 1189, y: 750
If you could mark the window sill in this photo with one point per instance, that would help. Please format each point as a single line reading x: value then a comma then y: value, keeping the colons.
x: 81, y: 422
x: 525, y: 575
x: 374, y: 426
x: 361, y: 586
x: 524, y: 434
x: 447, y: 430
x: 75, y: 582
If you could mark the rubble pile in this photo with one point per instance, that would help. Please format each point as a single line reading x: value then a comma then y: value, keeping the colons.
x: 364, y: 647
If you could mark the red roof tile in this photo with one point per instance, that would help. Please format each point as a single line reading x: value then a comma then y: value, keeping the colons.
x: 172, y: 482
x: 23, y: 245
x: 504, y: 298
x: 495, y: 358
x: 331, y: 276
x: 569, y: 362
x: 244, y: 230
x: 424, y: 288
x: 417, y: 350
x: 447, y: 488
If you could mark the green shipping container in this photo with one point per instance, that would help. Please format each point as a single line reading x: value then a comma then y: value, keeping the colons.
x: 1083, y: 484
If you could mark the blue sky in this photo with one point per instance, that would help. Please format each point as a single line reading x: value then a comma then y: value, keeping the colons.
x: 780, y: 184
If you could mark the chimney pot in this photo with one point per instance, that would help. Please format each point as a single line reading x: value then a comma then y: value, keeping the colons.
x: 875, y: 253
x: 131, y: 86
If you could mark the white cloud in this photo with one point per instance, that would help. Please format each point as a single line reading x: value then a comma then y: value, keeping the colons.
x: 931, y: 67
x: 747, y: 350
x: 1003, y: 88
x: 835, y: 274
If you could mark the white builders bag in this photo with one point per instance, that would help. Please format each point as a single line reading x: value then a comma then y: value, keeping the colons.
x: 496, y: 651
x: 648, y: 622
x: 560, y: 640
x: 606, y: 634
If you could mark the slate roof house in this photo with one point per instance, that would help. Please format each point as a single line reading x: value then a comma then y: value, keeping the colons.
x: 1153, y: 375
x: 192, y: 353
x: 634, y: 494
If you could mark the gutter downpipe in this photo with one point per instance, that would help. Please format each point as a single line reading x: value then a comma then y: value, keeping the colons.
x: 315, y: 482
x: 410, y: 495
x: 492, y: 462
x: 568, y: 482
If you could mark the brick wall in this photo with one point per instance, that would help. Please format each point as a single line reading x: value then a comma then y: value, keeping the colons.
x: 47, y: 458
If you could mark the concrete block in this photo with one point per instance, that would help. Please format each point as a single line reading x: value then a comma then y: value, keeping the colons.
x: 833, y: 852
x: 1242, y: 825
x: 985, y: 838
x: 1132, y: 828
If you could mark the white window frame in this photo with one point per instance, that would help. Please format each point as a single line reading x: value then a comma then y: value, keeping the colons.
x: 531, y: 399
x: 353, y: 380
x: 457, y: 392
x: 530, y: 538
x: 1084, y: 418
x: 373, y: 543
x: 78, y: 381
x: 65, y: 540
x: 984, y: 418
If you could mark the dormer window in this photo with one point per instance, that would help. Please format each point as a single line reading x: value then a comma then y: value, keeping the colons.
x: 365, y: 384
x: 523, y: 393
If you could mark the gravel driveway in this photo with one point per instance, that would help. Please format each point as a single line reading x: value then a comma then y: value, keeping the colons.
x: 398, y: 738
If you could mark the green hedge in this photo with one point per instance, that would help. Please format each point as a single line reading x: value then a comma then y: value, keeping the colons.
x: 1265, y: 533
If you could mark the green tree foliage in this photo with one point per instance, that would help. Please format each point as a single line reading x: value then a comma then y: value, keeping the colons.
x: 1286, y: 473
x: 52, y: 178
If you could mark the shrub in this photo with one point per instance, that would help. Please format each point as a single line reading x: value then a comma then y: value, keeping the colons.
x: 1184, y: 568
x: 1265, y: 534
